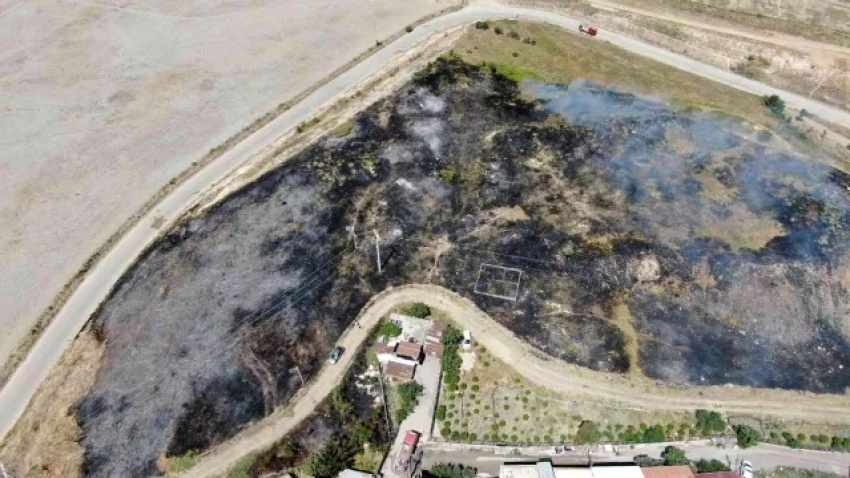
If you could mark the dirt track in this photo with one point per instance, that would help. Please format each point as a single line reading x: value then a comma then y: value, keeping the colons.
x: 548, y: 372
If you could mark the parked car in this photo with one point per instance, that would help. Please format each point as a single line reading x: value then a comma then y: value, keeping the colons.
x: 467, y: 340
x: 336, y: 354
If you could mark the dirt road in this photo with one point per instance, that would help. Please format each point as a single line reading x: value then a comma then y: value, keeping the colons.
x: 544, y: 371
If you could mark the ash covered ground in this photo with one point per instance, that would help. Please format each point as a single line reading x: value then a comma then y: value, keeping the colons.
x: 720, y: 254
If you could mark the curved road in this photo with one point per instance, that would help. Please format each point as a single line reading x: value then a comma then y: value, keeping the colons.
x: 544, y: 371
x: 94, y: 289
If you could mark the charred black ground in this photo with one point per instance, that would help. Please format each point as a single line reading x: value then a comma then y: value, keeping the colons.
x: 728, y: 254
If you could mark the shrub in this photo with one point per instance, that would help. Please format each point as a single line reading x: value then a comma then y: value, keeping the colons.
x: 389, y: 329
x: 482, y: 25
x: 515, y: 54
x: 408, y: 28
x: 823, y: 438
x: 514, y: 438
x: 409, y: 396
x: 507, y: 407
x: 513, y: 34
x: 709, y: 466
x: 498, y: 30
x: 525, y: 416
x: 451, y: 360
x: 441, y: 413
x: 654, y: 434
x: 475, y: 388
x: 711, y: 421
x: 449, y: 470
x: 473, y: 437
x: 747, y: 436
x: 418, y: 310
x: 775, y: 104
x: 674, y: 456
x: 588, y: 433
x: 447, y: 175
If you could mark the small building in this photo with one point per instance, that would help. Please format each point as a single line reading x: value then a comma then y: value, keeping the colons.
x: 435, y: 332
x: 679, y: 471
x: 398, y: 371
x: 434, y: 349
x: 409, y: 350
x: 385, y: 350
x: 545, y: 469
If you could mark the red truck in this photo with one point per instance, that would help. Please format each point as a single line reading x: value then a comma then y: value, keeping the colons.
x: 408, y: 446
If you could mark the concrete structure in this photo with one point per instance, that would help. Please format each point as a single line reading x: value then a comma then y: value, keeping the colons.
x: 545, y: 469
x: 413, y: 329
x: 398, y: 371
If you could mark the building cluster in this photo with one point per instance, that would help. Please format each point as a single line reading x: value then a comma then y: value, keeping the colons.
x: 545, y: 469
x: 400, y: 355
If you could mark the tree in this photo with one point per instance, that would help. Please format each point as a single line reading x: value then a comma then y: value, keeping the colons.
x: 418, y: 310
x: 747, y: 436
x: 441, y: 413
x: 408, y: 393
x: 389, y: 329
x: 588, y: 432
x: 674, y: 456
x: 709, y: 466
x: 654, y: 434
x: 775, y: 104
x: 711, y: 421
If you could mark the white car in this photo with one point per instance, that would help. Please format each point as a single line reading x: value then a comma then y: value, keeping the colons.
x: 467, y: 340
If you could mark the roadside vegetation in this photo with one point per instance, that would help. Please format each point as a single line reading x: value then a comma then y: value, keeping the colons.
x: 449, y: 470
x: 672, y: 456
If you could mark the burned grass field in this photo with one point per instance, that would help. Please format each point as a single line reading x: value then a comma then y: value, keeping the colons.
x: 614, y: 231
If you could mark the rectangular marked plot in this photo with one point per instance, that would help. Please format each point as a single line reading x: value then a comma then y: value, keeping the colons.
x: 497, y: 281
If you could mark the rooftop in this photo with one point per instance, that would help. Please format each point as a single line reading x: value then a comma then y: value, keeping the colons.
x: 667, y: 472
x: 399, y: 370
x: 545, y: 469
x: 408, y: 349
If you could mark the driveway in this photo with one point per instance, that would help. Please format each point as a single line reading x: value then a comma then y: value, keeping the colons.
x: 427, y: 375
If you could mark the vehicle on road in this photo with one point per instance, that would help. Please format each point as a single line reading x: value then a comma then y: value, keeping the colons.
x: 467, y: 340
x: 408, y: 446
x: 590, y: 30
x: 336, y: 354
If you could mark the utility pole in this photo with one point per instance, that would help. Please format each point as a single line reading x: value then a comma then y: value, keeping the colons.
x: 378, y: 248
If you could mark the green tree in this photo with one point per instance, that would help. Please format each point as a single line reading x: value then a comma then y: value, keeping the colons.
x: 709, y: 466
x: 389, y: 329
x: 654, y: 434
x: 775, y: 104
x: 747, y: 436
x: 441, y: 413
x: 588, y: 432
x: 418, y: 310
x: 674, y: 456
x: 408, y: 393
x: 712, y: 421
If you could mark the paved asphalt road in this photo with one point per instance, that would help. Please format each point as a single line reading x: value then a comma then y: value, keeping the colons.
x: 84, y: 301
x: 763, y: 457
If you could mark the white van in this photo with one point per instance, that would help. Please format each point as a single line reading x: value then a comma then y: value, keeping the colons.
x: 467, y: 340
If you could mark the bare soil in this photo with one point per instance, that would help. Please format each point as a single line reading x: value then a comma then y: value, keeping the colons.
x: 105, y: 103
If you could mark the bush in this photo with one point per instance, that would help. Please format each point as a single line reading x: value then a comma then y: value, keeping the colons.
x: 451, y: 360
x: 483, y: 25
x: 441, y: 413
x: 408, y: 28
x: 475, y: 388
x: 674, y: 456
x: 654, y: 434
x: 409, y: 396
x: 449, y: 470
x: 389, y: 329
x: 775, y: 104
x: 513, y: 34
x: 709, y: 466
x: 588, y: 432
x: 418, y: 310
x: 498, y: 31
x: 747, y: 436
x: 711, y: 421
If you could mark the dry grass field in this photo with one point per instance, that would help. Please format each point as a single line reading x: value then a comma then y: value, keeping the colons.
x: 103, y: 103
